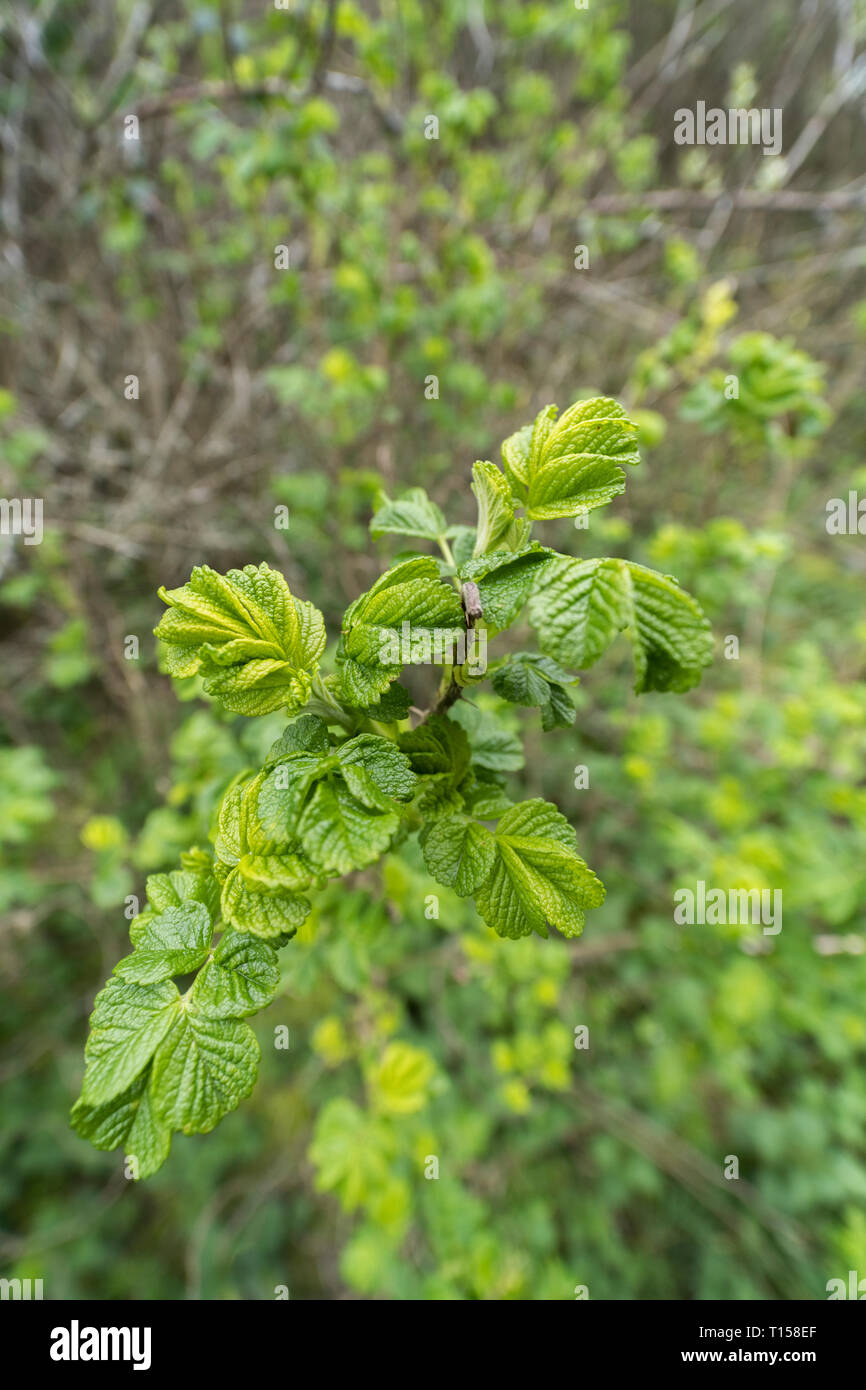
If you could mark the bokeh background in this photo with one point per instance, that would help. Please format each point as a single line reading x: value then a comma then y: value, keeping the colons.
x: 304, y: 387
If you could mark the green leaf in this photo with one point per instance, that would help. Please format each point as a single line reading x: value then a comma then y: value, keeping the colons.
x: 515, y: 458
x: 339, y: 834
x: 529, y: 679
x: 580, y: 608
x: 400, y: 1082
x: 497, y: 527
x: 584, y: 604
x: 437, y: 746
x: 352, y: 1152
x: 389, y: 768
x: 107, y: 1125
x: 537, y: 877
x: 176, y: 890
x: 505, y: 581
x: 373, y: 768
x: 173, y: 942
x: 439, y: 797
x: 285, y: 791
x: 230, y: 840
x: 559, y: 713
x: 149, y: 1139
x: 126, y: 1117
x: 463, y: 540
x: 265, y: 914
x: 240, y: 977
x: 413, y: 514
x: 128, y: 1023
x: 393, y: 706
x: 493, y: 746
x: 672, y: 639
x: 410, y: 592
x: 487, y: 802
x: 276, y: 872
x: 574, y: 463
x: 203, y: 1069
x: 256, y: 646
x: 306, y: 734
x: 459, y: 853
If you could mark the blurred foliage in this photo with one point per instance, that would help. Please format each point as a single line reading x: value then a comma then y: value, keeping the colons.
x: 430, y: 301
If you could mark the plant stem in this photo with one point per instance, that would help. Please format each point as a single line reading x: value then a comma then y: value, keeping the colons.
x: 329, y: 709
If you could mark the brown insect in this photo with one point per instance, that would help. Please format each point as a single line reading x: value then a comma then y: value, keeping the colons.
x: 471, y: 600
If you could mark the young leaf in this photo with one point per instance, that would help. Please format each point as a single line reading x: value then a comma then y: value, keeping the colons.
x: 373, y: 769
x: 285, y: 790
x: 339, y: 834
x: 463, y: 540
x: 255, y: 645
x: 413, y: 514
x: 505, y: 580
x: 128, y: 1117
x: 498, y: 529
x: 437, y: 746
x: 493, y: 747
x: 173, y: 942
x: 459, y: 853
x: 389, y: 768
x: 107, y: 1125
x: 410, y: 593
x: 559, y: 713
x: 176, y: 889
x: 267, y: 914
x: 305, y: 734
x: 399, y: 1083
x: 351, y: 1151
x: 585, y: 603
x: 230, y: 839
x: 149, y: 1139
x: 515, y: 459
x: 128, y: 1023
x: 537, y: 877
x: 575, y: 462
x: 239, y: 978
x: 393, y: 705
x: 529, y: 679
x: 276, y: 872
x: 671, y: 637
x: 202, y: 1070
x: 487, y: 802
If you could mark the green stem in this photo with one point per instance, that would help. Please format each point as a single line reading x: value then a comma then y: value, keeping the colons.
x: 328, y: 708
x: 447, y: 552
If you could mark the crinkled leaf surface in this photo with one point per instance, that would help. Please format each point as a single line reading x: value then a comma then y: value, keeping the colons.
x: 529, y: 679
x: 128, y: 1023
x: 256, y: 646
x: 129, y: 1119
x: 264, y: 913
x: 575, y: 463
x: 339, y: 834
x: 202, y: 1070
x: 410, y: 592
x: 583, y: 604
x: 505, y: 580
x: 459, y: 853
x: 498, y: 528
x: 538, y: 877
x: 172, y: 942
x: 240, y: 977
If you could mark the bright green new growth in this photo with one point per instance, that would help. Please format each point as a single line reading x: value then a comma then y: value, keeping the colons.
x: 351, y: 775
